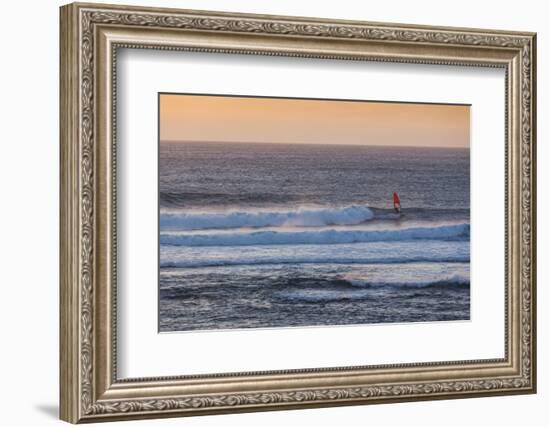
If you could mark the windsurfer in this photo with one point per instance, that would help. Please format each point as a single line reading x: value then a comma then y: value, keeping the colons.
x: 396, y: 203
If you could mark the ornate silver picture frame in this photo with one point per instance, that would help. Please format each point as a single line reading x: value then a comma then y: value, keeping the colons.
x: 91, y: 36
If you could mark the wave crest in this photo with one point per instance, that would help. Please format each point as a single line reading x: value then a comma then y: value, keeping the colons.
x: 306, y: 217
x: 319, y: 237
x: 452, y: 280
x: 364, y: 289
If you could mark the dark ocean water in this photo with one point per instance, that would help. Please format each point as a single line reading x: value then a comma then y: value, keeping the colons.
x: 275, y: 235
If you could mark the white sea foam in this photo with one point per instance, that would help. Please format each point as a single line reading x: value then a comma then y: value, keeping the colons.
x: 365, y: 289
x: 182, y: 263
x: 431, y: 251
x: 317, y: 237
x: 305, y: 217
x: 453, y: 279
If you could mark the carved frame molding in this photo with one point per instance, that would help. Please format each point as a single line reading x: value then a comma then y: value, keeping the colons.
x: 90, y: 390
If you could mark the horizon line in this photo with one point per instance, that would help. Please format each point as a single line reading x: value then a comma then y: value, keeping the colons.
x: 183, y: 141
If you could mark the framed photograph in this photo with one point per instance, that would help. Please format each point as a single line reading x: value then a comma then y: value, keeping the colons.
x: 265, y: 212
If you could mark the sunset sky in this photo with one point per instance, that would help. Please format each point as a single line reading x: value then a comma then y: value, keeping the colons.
x: 305, y: 121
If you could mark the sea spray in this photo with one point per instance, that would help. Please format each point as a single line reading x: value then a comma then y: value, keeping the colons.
x: 304, y: 217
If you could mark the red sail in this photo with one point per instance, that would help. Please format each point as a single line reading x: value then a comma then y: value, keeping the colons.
x: 396, y: 201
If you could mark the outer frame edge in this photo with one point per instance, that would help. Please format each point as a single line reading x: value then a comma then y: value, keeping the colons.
x: 69, y: 325
x: 68, y: 225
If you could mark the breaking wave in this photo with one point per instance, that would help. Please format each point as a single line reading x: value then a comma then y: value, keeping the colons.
x: 363, y: 290
x: 305, y: 217
x: 455, y: 279
x: 317, y: 237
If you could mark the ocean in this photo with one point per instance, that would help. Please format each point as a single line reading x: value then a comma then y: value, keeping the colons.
x: 280, y: 235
